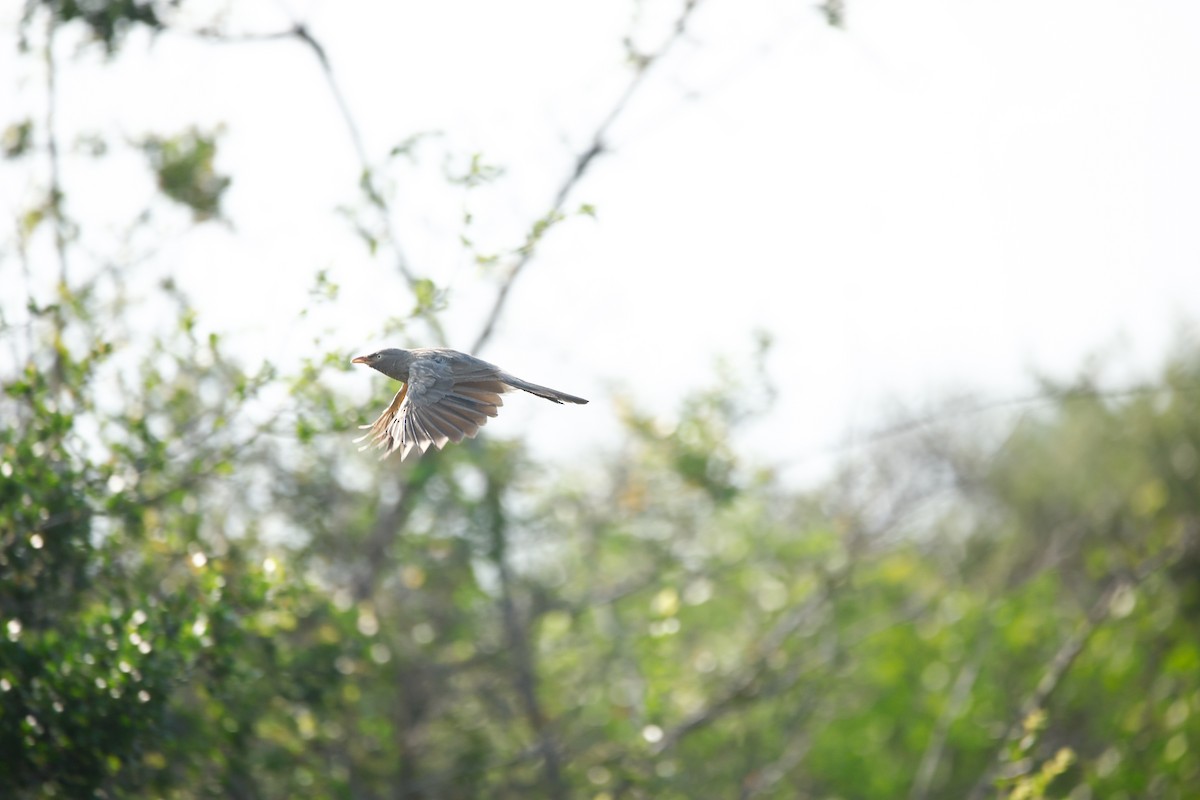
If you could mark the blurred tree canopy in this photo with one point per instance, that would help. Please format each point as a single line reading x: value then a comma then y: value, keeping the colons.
x: 201, y: 597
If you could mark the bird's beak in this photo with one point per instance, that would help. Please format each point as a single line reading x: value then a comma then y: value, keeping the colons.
x: 359, y: 360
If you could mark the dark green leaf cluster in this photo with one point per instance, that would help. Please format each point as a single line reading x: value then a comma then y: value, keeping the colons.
x: 184, y: 165
x: 107, y: 21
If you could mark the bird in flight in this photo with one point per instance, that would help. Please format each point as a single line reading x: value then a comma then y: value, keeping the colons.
x: 447, y: 396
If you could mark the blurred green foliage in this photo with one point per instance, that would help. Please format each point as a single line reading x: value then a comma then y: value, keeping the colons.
x: 184, y: 167
x: 17, y: 139
x: 107, y: 21
x: 664, y: 623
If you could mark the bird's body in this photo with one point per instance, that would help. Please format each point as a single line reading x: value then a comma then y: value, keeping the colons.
x: 447, y: 396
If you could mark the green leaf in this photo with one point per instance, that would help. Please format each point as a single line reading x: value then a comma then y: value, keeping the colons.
x: 17, y: 139
x: 185, y: 168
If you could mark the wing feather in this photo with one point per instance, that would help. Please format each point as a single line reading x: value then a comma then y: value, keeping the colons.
x: 482, y: 400
x: 447, y: 429
x: 476, y: 408
x: 467, y: 420
x: 419, y: 432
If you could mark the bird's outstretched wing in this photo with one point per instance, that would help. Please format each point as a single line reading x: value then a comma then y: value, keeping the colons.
x: 444, y: 401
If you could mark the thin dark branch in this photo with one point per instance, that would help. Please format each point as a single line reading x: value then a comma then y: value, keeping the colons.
x: 388, y: 525
x: 367, y: 180
x: 243, y: 38
x: 56, y: 190
x: 525, y: 680
x: 583, y: 162
x: 55, y: 200
x: 27, y: 275
x: 301, y: 32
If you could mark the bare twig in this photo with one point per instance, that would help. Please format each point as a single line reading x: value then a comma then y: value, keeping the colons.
x: 583, y: 162
x: 301, y: 32
x: 368, y: 182
x: 367, y: 179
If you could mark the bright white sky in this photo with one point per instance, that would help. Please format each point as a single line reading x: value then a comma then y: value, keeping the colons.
x: 943, y: 196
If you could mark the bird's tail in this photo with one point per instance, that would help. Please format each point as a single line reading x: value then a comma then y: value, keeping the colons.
x: 553, y: 395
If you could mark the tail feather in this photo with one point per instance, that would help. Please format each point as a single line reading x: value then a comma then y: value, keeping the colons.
x: 553, y: 395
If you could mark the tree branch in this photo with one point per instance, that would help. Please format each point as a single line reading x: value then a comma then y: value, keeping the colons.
x: 56, y: 191
x: 388, y: 525
x: 367, y: 180
x: 525, y: 680
x: 583, y: 162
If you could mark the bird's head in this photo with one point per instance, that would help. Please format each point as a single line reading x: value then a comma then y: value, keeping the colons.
x: 391, y: 362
